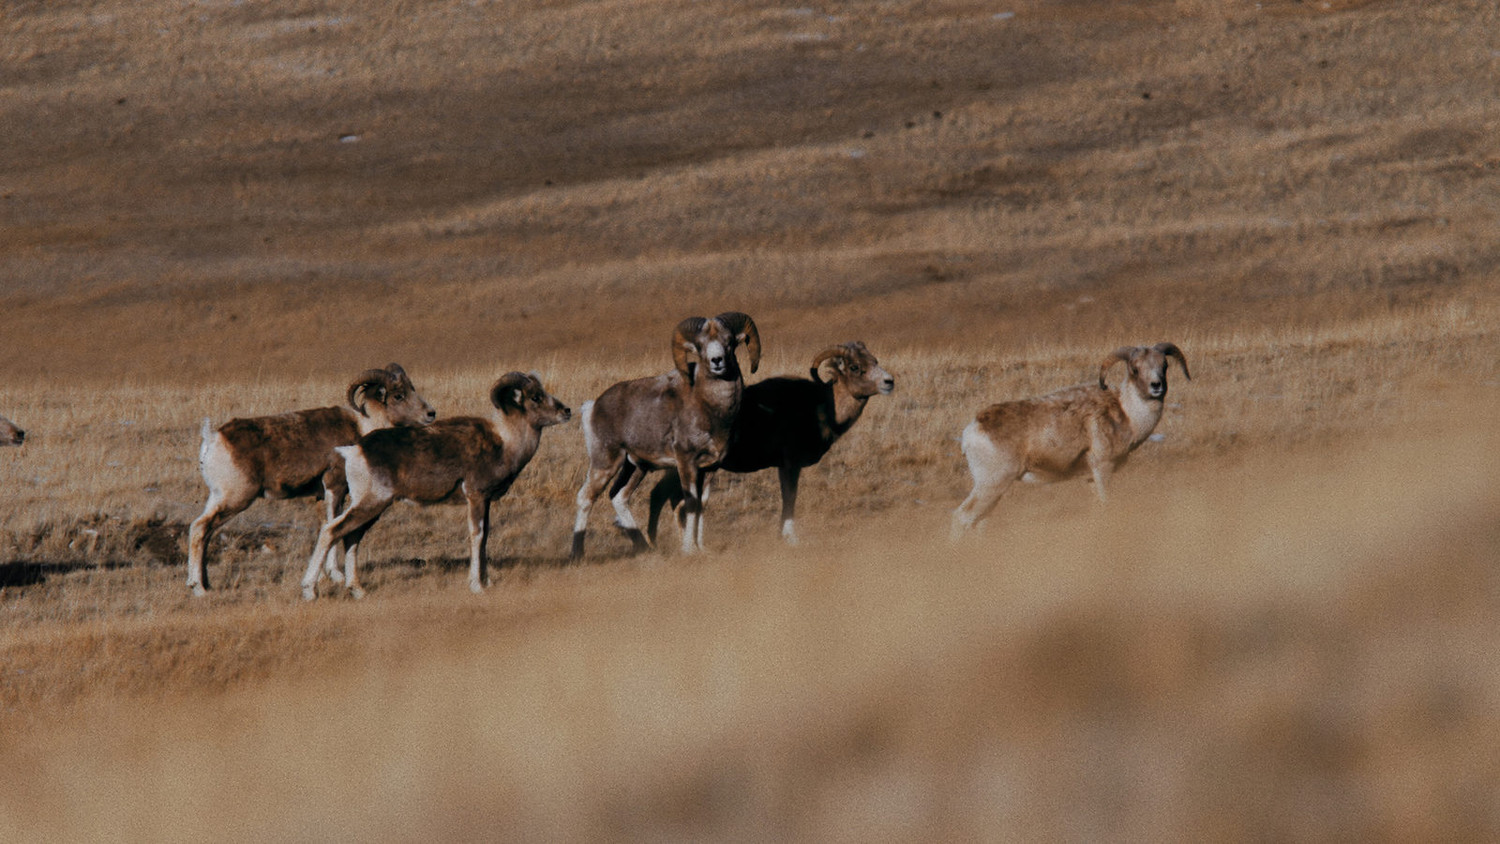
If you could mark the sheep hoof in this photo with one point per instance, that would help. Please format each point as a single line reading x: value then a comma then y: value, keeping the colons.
x: 198, y: 590
x: 356, y: 593
x: 309, y: 592
x: 476, y: 587
x: 638, y: 543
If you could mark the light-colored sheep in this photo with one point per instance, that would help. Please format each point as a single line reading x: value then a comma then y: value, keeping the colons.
x: 1058, y: 435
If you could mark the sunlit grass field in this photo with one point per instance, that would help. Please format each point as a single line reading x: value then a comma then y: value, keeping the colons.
x: 1281, y: 626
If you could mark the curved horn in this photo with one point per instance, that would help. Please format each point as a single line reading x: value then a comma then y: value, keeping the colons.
x: 1171, y: 351
x: 823, y: 356
x: 684, y: 344
x: 744, y: 330
x: 500, y: 394
x: 1122, y: 353
x: 398, y: 373
x: 370, y: 378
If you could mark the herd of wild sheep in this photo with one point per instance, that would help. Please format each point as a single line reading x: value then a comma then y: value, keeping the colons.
x: 389, y: 443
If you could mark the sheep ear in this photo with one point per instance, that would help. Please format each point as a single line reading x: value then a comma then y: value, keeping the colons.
x: 507, y: 393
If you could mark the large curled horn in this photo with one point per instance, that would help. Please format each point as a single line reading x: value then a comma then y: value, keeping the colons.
x: 1171, y: 351
x: 1122, y: 353
x: 744, y: 330
x: 378, y: 379
x: 501, y: 395
x: 684, y: 344
x: 398, y: 373
x: 823, y: 357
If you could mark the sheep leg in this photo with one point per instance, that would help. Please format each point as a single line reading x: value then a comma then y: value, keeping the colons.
x: 705, y: 483
x: 479, y: 534
x: 1101, y: 468
x: 625, y: 484
x: 359, y: 515
x: 1098, y: 457
x: 993, y: 471
x: 333, y: 498
x: 216, y: 512
x: 976, y: 508
x: 788, y: 475
x: 668, y: 490
x: 597, y: 479
x: 349, y: 577
x: 692, y: 503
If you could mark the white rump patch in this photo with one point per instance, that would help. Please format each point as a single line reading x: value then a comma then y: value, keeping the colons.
x: 362, y: 481
x: 217, y: 464
x: 984, y: 458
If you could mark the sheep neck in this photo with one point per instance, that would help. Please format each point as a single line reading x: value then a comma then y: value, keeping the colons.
x: 721, y: 395
x: 374, y: 421
x: 519, y: 437
x: 847, y: 408
x: 1142, y: 411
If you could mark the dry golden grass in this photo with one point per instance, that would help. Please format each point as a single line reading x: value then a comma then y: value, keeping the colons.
x: 1280, y: 628
x: 1084, y: 674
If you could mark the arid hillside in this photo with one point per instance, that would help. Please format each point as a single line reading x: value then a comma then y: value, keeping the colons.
x: 288, y: 189
x: 1280, y: 627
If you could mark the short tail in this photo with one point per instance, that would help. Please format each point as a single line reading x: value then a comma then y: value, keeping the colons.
x: 966, y: 440
x: 356, y: 472
x: 208, y: 433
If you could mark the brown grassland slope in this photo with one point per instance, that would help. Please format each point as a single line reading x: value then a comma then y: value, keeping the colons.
x: 1282, y: 626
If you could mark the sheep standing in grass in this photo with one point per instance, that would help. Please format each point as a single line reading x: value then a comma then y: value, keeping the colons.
x: 1059, y: 435
x: 789, y: 424
x: 465, y: 458
x: 680, y: 420
x: 291, y: 455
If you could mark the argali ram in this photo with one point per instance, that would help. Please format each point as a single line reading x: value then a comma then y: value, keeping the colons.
x: 680, y: 420
x: 789, y: 424
x: 1058, y: 435
x: 464, y: 458
x: 291, y: 455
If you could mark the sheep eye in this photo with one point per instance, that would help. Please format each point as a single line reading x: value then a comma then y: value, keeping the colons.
x: 856, y: 370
